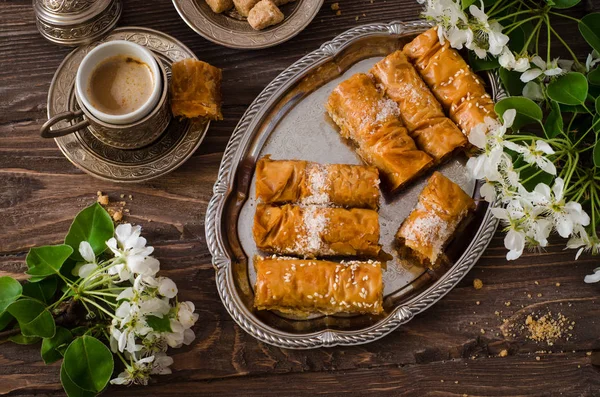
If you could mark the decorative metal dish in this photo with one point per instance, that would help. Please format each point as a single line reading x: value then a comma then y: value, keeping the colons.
x: 175, y: 145
x: 231, y: 30
x: 288, y: 120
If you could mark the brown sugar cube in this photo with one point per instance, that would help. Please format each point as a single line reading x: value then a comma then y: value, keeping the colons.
x: 196, y: 90
x: 219, y: 6
x: 244, y: 6
x: 265, y: 13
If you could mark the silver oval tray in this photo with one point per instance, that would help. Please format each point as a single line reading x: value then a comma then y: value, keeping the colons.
x: 288, y: 120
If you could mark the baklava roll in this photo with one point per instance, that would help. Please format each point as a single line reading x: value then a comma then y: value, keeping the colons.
x: 456, y: 86
x: 299, y: 181
x: 303, y: 286
x: 442, y: 206
x: 422, y: 114
x: 316, y: 231
x: 371, y: 122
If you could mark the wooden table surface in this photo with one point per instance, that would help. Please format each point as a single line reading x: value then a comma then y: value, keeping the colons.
x: 452, y: 349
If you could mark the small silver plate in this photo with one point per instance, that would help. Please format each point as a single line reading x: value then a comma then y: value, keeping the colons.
x: 288, y: 121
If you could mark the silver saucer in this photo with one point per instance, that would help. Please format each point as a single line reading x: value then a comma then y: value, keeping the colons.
x: 85, y: 151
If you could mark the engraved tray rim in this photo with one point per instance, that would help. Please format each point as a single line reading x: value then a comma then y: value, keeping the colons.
x: 221, y: 258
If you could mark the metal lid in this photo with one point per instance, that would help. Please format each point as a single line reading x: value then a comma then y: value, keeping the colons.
x: 76, y: 22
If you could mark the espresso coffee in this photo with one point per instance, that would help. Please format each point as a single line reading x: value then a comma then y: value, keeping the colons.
x: 120, y: 85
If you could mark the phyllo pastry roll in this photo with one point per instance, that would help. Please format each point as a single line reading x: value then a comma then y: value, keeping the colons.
x: 456, y: 86
x: 303, y: 286
x: 442, y: 206
x: 422, y: 114
x: 316, y: 231
x: 371, y: 122
x: 196, y: 90
x: 298, y: 181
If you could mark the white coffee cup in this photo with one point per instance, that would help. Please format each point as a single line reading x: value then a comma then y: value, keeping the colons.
x: 108, y: 50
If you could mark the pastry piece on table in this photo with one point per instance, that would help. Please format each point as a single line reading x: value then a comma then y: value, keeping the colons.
x: 456, y: 86
x: 243, y: 7
x: 422, y: 114
x: 371, y: 122
x: 442, y: 206
x: 316, y: 231
x: 299, y: 181
x: 220, y: 6
x: 303, y: 286
x: 195, y: 90
x: 264, y: 14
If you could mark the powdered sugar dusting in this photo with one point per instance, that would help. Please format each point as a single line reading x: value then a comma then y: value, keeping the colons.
x: 387, y: 109
x: 317, y: 184
x: 314, y: 223
x: 429, y: 228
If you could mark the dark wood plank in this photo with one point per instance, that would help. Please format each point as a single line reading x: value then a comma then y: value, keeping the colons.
x: 40, y: 192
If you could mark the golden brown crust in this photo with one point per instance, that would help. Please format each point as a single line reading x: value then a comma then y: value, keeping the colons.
x: 307, y: 286
x: 299, y: 181
x: 196, y: 90
x: 313, y: 231
x: 455, y: 85
x: 371, y: 122
x: 420, y: 111
x: 442, y: 206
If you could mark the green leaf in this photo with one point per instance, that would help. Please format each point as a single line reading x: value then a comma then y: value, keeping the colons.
x: 10, y: 291
x: 554, y: 122
x: 512, y: 82
x: 570, y: 89
x: 42, y: 291
x: 5, y: 320
x: 594, y: 76
x: 79, y: 331
x: 159, y: 324
x: 88, y: 363
x: 528, y: 112
x: 562, y: 4
x: 572, y: 108
x: 597, y: 103
x: 93, y: 225
x: 24, y: 340
x: 33, y: 318
x: 589, y: 26
x: 70, y: 387
x: 597, y: 154
x: 46, y: 261
x: 49, y: 351
x: 478, y: 64
x: 467, y: 3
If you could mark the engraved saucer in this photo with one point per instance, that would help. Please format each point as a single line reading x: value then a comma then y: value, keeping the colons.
x: 231, y: 30
x: 84, y: 150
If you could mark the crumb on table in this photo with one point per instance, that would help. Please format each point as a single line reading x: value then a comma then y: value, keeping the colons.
x: 477, y: 284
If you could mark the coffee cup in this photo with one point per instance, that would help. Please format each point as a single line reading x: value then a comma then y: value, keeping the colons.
x: 122, y: 92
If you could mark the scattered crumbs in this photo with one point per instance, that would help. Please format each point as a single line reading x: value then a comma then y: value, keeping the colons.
x: 536, y: 283
x: 121, y: 195
x: 588, y: 353
x: 478, y: 303
x: 497, y: 313
x: 578, y: 366
x: 537, y: 358
x: 557, y: 284
x: 539, y: 295
x: 335, y: 6
x: 477, y: 284
x: 356, y: 18
x: 102, y: 199
x: 482, y: 331
x: 503, y: 353
x: 338, y: 13
x: 441, y: 380
x: 456, y: 382
x: 547, y: 328
x: 117, y: 216
x: 529, y: 296
x: 507, y: 303
x: 130, y: 197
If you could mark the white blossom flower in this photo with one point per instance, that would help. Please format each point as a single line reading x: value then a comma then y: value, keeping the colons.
x: 186, y: 315
x: 132, y: 252
x: 565, y: 215
x: 138, y: 373
x: 591, y: 61
x: 543, y: 69
x: 593, y: 278
x: 161, y: 364
x: 535, y: 154
x: 166, y: 287
x: 508, y: 61
x: 89, y: 265
x: 491, y: 30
